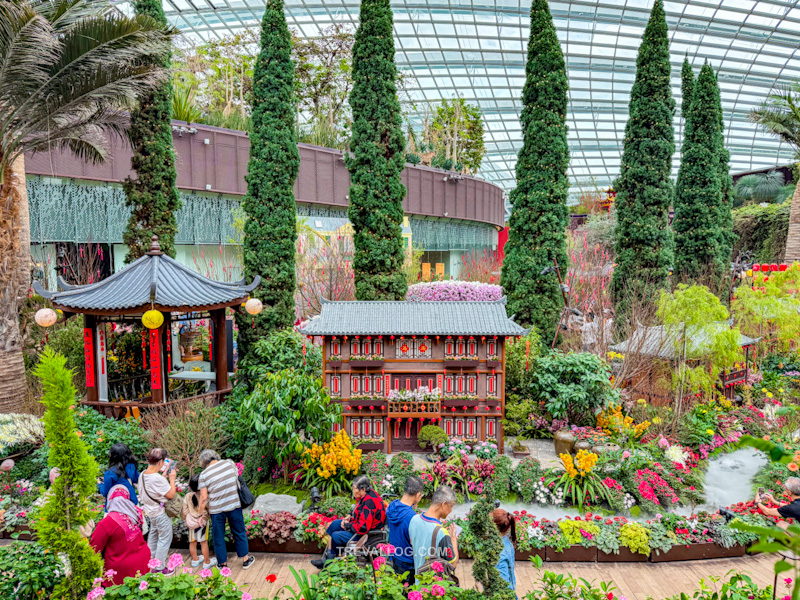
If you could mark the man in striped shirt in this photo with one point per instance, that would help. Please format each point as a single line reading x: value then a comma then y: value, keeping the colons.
x: 219, y: 490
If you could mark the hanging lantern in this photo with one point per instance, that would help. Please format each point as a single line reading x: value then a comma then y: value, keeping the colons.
x: 773, y: 267
x: 45, y: 317
x: 783, y: 267
x: 253, y: 306
x: 749, y: 272
x: 756, y: 267
x: 153, y: 319
x: 764, y: 267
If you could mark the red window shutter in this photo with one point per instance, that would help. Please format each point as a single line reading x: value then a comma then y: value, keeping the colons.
x: 397, y: 429
x: 460, y: 384
x: 366, y: 427
x: 492, y: 347
x: 419, y: 383
x: 335, y: 385
x: 378, y: 381
x: 491, y: 428
x: 408, y: 429
x: 408, y: 383
x: 335, y: 350
x: 449, y: 385
x: 354, y: 347
x: 356, y: 427
x: 471, y: 385
x: 472, y: 349
x: 367, y: 384
x: 335, y: 427
x: 449, y: 348
x: 378, y: 427
x: 378, y: 346
x: 490, y: 383
x: 354, y: 385
x: 471, y: 428
x: 460, y: 427
x: 461, y: 347
x: 430, y: 383
x: 396, y: 383
x: 448, y: 427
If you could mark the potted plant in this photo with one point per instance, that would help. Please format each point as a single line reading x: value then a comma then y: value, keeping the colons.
x: 461, y: 361
x: 519, y: 449
x: 371, y: 444
x: 366, y: 360
x: 493, y: 362
x: 431, y: 437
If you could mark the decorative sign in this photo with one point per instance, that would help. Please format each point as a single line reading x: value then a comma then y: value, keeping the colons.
x: 439, y: 270
x: 387, y: 383
x: 88, y: 355
x: 426, y: 271
x: 439, y: 379
x: 102, y: 379
x: 155, y: 360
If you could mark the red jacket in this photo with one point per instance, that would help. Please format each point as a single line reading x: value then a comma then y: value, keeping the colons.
x: 369, y: 513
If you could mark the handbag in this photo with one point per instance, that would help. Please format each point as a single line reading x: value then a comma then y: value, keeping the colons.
x: 172, y: 506
x: 448, y: 571
x: 246, y: 498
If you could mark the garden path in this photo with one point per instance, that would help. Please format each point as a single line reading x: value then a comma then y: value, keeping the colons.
x: 635, y: 581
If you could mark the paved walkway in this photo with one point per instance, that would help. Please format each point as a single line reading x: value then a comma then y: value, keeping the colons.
x: 635, y: 581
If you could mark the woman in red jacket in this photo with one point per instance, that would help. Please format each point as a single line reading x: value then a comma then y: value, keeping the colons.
x: 118, y: 537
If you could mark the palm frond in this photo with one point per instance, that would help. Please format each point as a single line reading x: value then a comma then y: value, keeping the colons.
x: 63, y: 14
x: 779, y: 115
x: 759, y: 187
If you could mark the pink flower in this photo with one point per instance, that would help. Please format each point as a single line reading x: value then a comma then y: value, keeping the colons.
x: 97, y: 593
x: 437, y: 590
x: 97, y: 581
x: 414, y: 595
x: 788, y: 581
x: 438, y: 567
x: 143, y: 585
x: 174, y: 561
x: 225, y: 572
x: 110, y: 574
x: 153, y: 563
x: 246, y: 596
x: 187, y: 570
x: 378, y: 562
x: 626, y: 454
x: 662, y: 442
x: 205, y: 573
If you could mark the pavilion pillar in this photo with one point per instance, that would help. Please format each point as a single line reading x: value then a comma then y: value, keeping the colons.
x: 101, y: 349
x: 166, y: 352
x: 89, y: 355
x: 220, y: 345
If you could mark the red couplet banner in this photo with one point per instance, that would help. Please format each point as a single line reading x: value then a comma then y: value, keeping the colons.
x: 88, y: 355
x: 155, y: 360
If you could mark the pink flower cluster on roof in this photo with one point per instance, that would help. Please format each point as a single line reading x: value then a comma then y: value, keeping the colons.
x: 451, y: 291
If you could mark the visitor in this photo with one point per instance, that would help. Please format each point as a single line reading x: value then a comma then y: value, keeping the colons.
x: 398, y: 516
x: 219, y: 494
x: 122, y: 469
x: 789, y: 510
x: 118, y: 537
x: 443, y: 548
x: 154, y: 491
x: 197, y: 524
x: 368, y: 515
x: 507, y: 526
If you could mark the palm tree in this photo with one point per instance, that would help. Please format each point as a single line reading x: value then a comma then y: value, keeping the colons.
x: 780, y: 116
x: 762, y: 187
x: 70, y: 71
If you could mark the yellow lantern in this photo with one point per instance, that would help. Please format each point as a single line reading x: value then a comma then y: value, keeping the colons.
x: 152, y: 319
x: 749, y: 272
x: 253, y: 306
x: 45, y: 317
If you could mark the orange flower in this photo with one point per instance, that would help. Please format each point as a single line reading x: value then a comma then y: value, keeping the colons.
x: 79, y: 433
x: 792, y: 466
x: 766, y: 437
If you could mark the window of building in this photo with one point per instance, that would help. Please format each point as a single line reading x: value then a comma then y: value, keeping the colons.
x: 414, y: 348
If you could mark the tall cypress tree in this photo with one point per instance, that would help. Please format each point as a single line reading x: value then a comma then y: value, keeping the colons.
x: 687, y: 87
x: 377, y: 160
x: 699, y: 195
x: 727, y: 237
x: 539, y: 202
x: 644, y: 242
x: 152, y: 195
x: 270, y: 230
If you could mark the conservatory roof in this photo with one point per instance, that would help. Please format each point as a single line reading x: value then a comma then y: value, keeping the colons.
x: 413, y: 318
x: 663, y: 342
x: 476, y: 49
x: 153, y: 281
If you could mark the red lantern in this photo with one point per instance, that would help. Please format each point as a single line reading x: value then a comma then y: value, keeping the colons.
x: 764, y: 267
x: 464, y: 408
x: 756, y: 267
x: 773, y: 267
x: 783, y: 267
x: 391, y: 337
x: 453, y: 409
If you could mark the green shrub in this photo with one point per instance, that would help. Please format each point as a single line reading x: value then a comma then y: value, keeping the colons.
x: 374, y: 466
x: 525, y: 477
x: 401, y: 467
x: 335, y: 507
x: 430, y: 436
x: 761, y: 230
x: 28, y: 571
x: 257, y: 463
x: 635, y: 538
x: 278, y: 351
x: 100, y: 433
x: 68, y: 340
x: 232, y: 420
x: 503, y: 473
x: 519, y: 365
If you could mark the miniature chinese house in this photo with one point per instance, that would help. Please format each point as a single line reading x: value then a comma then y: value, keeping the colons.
x: 654, y: 384
x: 386, y: 362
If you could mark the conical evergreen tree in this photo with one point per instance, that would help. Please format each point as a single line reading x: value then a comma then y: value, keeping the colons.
x: 644, y: 242
x: 539, y: 213
x: 270, y: 231
x: 727, y: 237
x: 377, y: 160
x: 152, y: 194
x: 687, y: 86
x: 699, y: 196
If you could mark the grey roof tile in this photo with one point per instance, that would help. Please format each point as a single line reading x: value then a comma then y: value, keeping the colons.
x: 413, y: 318
x: 663, y: 342
x: 154, y: 278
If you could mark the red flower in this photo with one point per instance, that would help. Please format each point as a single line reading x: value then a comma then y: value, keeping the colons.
x: 610, y: 596
x: 271, y: 578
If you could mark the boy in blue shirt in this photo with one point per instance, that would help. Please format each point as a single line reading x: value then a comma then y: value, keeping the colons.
x: 399, y: 515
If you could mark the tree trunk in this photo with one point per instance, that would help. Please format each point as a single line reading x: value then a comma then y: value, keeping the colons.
x: 793, y: 238
x: 15, y: 274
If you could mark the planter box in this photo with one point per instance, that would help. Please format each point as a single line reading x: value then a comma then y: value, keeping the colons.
x: 493, y: 364
x: 522, y: 453
x: 460, y: 403
x: 291, y: 546
x: 528, y: 554
x: 334, y: 364
x: 625, y: 555
x: 366, y: 364
x: 571, y: 554
x: 461, y: 364
x: 364, y: 404
x: 696, y: 552
x: 371, y: 447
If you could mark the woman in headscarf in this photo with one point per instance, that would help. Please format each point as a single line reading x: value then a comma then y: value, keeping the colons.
x: 118, y: 537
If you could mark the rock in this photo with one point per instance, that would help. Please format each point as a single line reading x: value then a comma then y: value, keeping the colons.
x: 272, y: 503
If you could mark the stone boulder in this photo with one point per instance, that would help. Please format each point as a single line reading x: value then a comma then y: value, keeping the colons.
x: 273, y: 503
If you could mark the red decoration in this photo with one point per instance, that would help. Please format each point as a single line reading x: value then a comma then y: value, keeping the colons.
x: 404, y: 348
x: 463, y: 408
x: 423, y: 348
x: 88, y: 355
x: 756, y: 267
x: 527, y: 355
x: 773, y: 267
x: 453, y: 409
x: 372, y: 407
x: 391, y: 337
x: 783, y: 267
x: 155, y: 359
x: 764, y: 267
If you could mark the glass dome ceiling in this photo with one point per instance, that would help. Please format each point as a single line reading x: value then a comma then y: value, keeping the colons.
x: 476, y: 49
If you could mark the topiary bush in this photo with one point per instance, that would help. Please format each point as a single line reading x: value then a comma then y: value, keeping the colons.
x: 431, y: 436
x: 526, y: 477
x: 401, y: 467
x: 67, y: 507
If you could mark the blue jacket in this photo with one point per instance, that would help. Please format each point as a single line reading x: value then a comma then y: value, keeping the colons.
x: 506, y: 564
x: 111, y: 478
x: 398, y: 516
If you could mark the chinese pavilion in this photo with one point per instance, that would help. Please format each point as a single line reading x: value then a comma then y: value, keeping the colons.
x: 397, y: 366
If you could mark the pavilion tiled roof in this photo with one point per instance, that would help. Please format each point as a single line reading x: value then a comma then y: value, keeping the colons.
x: 413, y: 318
x: 663, y: 342
x: 154, y: 280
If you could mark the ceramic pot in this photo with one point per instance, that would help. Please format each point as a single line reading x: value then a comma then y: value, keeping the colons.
x: 563, y: 440
x: 582, y: 445
x: 605, y: 448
